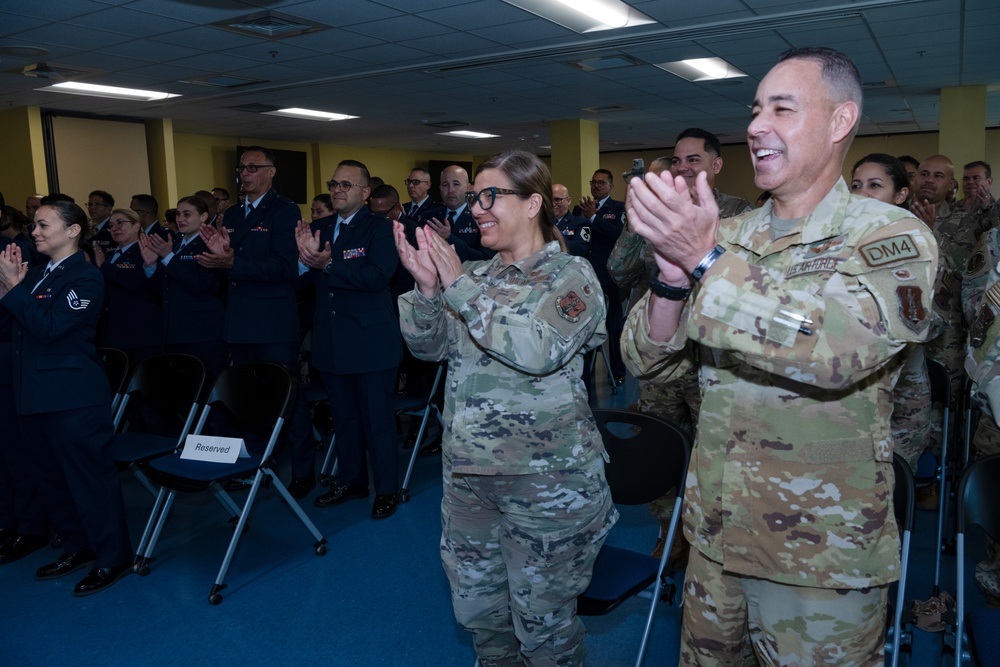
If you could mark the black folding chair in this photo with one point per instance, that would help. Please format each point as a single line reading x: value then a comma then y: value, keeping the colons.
x: 648, y: 457
x: 976, y: 634
x: 171, y: 385
x: 116, y: 366
x: 257, y: 396
x: 402, y: 404
x: 941, y: 393
x: 903, y: 508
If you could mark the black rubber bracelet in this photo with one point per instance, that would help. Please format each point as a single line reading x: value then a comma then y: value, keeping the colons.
x: 665, y: 291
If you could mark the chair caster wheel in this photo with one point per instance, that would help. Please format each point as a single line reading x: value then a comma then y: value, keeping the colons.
x: 321, y: 550
x: 214, y: 599
x: 142, y: 570
x: 404, y: 496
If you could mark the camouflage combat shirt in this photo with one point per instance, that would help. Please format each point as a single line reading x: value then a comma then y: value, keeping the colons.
x: 791, y: 476
x: 514, y: 337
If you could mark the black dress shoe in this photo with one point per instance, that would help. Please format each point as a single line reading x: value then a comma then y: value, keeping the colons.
x: 20, y: 546
x: 233, y: 485
x: 301, y: 486
x: 341, y: 493
x: 619, y: 380
x: 432, y: 449
x: 65, y: 564
x: 100, y: 578
x: 385, y: 505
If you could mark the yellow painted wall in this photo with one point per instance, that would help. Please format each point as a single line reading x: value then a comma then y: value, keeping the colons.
x: 22, y: 167
x: 206, y: 162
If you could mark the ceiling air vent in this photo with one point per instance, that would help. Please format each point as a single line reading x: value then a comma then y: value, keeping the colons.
x: 255, y: 108
x: 447, y: 124
x: 605, y: 62
x: 52, y: 71
x: 222, y: 80
x: 270, y: 25
x: 607, y: 109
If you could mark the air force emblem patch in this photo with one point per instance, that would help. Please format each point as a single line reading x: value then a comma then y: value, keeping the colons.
x: 75, y: 302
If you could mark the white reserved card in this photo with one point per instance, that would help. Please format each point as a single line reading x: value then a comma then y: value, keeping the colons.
x: 214, y: 448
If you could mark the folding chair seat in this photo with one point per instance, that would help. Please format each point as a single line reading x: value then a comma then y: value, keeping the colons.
x: 171, y: 385
x: 257, y: 396
x: 903, y: 509
x: 116, y: 366
x: 648, y: 457
x: 976, y: 634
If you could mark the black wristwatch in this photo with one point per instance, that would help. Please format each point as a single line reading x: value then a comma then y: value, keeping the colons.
x: 665, y: 291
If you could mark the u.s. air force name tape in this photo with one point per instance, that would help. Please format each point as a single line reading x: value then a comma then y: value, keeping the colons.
x: 215, y: 449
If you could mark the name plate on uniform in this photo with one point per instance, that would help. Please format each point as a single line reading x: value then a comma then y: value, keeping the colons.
x: 215, y: 449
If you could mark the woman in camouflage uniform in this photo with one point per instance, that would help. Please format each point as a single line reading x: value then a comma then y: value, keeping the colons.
x: 526, y: 505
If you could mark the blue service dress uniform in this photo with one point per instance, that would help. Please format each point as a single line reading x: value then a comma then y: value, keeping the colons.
x: 357, y: 346
x: 133, y: 318
x: 62, y: 396
x: 262, y: 318
x: 193, y: 303
x: 606, y: 227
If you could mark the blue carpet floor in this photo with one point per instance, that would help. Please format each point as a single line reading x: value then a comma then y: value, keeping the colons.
x: 379, y: 596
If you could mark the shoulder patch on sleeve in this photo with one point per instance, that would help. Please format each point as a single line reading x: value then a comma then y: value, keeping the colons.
x: 571, y: 306
x: 890, y: 250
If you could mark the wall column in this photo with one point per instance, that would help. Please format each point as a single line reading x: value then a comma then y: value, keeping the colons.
x: 22, y: 169
x: 576, y: 154
x: 962, y: 126
x: 162, y: 163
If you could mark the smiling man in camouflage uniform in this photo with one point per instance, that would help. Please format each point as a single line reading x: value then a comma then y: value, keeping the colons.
x: 801, y: 305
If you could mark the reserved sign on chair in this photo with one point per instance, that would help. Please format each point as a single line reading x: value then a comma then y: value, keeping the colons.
x: 214, y: 448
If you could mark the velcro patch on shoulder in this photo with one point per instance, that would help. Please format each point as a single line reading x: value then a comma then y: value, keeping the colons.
x: 889, y: 251
x: 571, y: 306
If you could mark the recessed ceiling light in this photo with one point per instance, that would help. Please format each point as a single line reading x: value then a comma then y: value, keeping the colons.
x: 309, y: 114
x: 702, y: 69
x: 113, y: 92
x: 469, y: 134
x: 585, y: 15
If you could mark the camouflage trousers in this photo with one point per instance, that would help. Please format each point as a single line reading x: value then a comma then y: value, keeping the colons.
x: 787, y: 626
x: 518, y: 550
x: 677, y: 402
x: 986, y: 441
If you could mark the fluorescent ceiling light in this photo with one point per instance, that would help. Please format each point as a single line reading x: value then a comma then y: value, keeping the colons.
x: 309, y: 114
x: 113, y: 92
x: 702, y: 69
x: 469, y: 134
x: 611, y: 14
x: 585, y: 15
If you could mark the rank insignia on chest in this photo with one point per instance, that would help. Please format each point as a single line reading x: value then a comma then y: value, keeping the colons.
x: 354, y: 253
x: 571, y: 307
